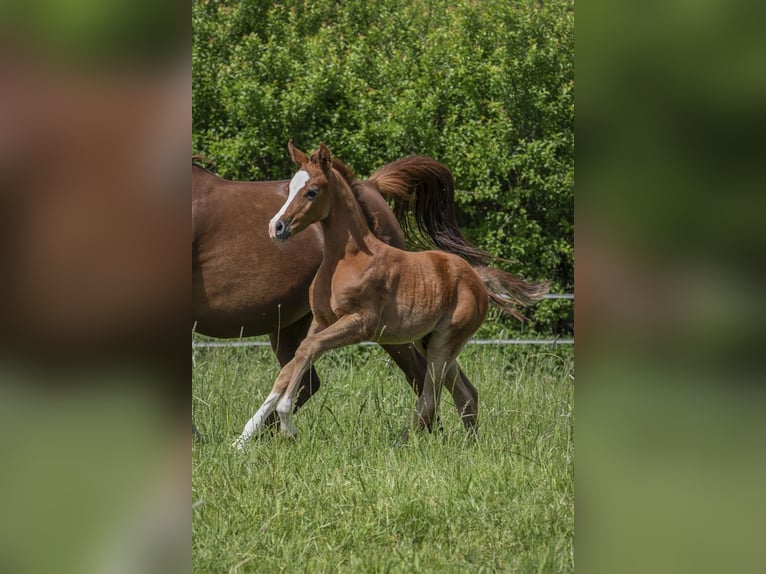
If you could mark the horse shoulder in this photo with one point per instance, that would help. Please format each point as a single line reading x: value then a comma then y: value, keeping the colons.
x: 357, y: 282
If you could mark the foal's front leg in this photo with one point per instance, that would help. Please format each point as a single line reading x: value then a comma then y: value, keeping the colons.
x: 258, y: 420
x: 349, y: 329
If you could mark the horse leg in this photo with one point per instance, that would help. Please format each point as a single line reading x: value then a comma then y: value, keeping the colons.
x: 427, y: 404
x: 285, y: 343
x: 258, y: 420
x: 410, y: 358
x: 347, y: 330
x: 465, y: 396
x: 441, y: 354
x: 411, y: 363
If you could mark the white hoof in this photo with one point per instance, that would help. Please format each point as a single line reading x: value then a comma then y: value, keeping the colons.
x: 290, y: 431
x: 239, y: 444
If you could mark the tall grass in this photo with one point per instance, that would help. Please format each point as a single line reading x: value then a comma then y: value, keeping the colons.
x: 344, y: 498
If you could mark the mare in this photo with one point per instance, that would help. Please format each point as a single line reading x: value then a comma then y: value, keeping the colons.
x: 367, y: 290
x: 244, y: 284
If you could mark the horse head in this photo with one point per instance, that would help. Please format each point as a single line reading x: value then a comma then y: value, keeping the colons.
x: 308, y: 199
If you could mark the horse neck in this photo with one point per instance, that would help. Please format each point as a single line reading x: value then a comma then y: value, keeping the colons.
x: 345, y: 228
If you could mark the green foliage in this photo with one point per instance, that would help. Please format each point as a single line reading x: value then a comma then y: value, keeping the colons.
x: 342, y: 498
x: 485, y: 87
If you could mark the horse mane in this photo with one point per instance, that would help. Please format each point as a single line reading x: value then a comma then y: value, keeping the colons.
x: 357, y: 188
x: 202, y: 162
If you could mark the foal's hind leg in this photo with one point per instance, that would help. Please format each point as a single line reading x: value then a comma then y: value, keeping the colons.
x: 465, y: 396
x: 411, y: 359
x: 428, y: 401
x: 441, y: 351
x: 413, y: 364
x: 441, y: 364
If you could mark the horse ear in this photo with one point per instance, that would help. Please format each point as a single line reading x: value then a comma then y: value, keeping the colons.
x: 325, y: 157
x: 298, y: 156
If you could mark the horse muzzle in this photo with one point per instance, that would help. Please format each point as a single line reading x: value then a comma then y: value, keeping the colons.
x: 280, y: 230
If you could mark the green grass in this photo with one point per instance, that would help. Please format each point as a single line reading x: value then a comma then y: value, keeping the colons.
x: 344, y: 498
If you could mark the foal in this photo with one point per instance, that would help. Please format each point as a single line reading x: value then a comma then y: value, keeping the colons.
x: 366, y: 290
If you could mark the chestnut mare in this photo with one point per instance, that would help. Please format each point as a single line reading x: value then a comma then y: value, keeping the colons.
x: 367, y: 290
x: 243, y: 284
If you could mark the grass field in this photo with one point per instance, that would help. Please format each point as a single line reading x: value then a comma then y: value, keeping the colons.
x: 344, y: 498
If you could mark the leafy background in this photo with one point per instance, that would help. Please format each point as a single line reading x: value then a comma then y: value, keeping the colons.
x: 486, y: 87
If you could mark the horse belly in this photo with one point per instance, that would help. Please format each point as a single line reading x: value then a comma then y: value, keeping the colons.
x: 243, y: 282
x: 414, y: 310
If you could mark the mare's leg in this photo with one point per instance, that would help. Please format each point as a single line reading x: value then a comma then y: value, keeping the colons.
x: 411, y: 363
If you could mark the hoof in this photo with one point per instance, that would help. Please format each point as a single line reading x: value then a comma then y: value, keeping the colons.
x: 403, y: 439
x: 239, y: 444
x: 196, y: 435
x: 289, y: 438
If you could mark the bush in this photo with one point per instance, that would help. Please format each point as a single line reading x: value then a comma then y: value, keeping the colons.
x: 485, y: 87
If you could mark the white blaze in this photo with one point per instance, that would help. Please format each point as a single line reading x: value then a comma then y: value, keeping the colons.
x: 296, y: 184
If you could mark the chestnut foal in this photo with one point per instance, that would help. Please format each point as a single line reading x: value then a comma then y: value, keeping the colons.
x: 366, y: 290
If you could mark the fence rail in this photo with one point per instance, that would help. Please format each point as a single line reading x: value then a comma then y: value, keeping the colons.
x: 216, y: 344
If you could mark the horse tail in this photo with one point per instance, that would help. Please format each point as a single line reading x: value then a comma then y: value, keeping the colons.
x: 423, y: 194
x: 508, y: 292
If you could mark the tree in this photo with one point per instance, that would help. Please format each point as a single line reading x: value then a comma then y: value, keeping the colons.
x: 485, y: 87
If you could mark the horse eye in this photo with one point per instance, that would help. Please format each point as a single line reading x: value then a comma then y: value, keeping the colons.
x: 311, y: 193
